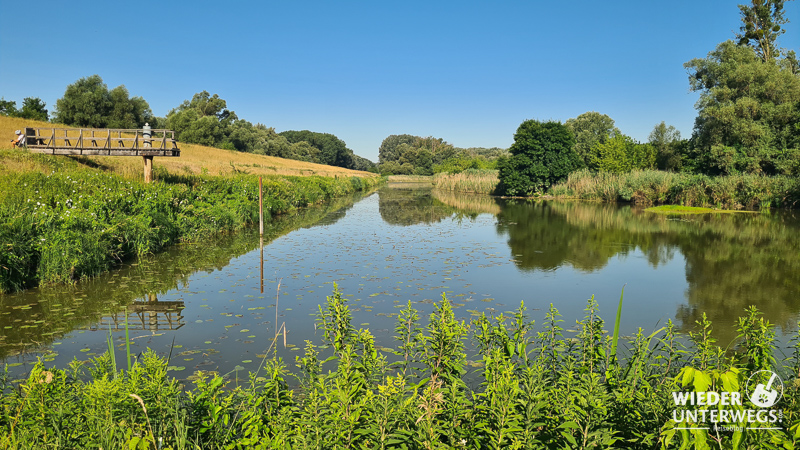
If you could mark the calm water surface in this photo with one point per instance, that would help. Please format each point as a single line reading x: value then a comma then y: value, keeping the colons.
x: 205, y: 301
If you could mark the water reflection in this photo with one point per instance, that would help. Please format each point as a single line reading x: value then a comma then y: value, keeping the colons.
x: 411, y: 205
x: 145, y: 315
x: 412, y: 244
x: 732, y: 260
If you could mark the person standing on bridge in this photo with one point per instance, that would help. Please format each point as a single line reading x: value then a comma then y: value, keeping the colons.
x: 20, y: 140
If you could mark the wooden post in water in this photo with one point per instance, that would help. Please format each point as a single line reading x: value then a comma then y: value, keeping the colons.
x: 260, y: 208
x: 262, y: 264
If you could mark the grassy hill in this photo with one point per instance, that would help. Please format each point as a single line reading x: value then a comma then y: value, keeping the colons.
x: 194, y: 159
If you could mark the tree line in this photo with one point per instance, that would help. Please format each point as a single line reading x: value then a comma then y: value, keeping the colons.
x: 747, y: 122
x: 205, y: 120
x: 405, y: 154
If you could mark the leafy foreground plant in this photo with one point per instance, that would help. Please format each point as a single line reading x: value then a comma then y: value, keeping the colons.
x: 529, y: 389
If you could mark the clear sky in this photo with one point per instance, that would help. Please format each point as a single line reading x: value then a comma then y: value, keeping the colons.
x: 468, y: 72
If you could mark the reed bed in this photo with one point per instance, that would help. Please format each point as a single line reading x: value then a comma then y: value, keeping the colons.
x: 648, y: 187
x: 409, y: 179
x: 471, y: 180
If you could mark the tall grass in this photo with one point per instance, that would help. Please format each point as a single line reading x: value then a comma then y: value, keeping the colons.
x: 555, y: 388
x: 655, y: 187
x: 471, y: 180
x: 409, y: 178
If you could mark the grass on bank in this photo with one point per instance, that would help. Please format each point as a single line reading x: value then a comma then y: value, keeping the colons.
x: 649, y: 187
x: 194, y: 159
x: 409, y: 179
x: 553, y: 388
x: 687, y: 210
x: 477, y: 181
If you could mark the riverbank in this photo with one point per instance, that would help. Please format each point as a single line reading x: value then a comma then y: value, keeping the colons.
x: 551, y: 389
x: 647, y: 187
x: 650, y: 187
x: 73, y: 221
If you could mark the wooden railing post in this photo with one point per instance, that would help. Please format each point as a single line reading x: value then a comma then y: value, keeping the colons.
x: 148, y: 168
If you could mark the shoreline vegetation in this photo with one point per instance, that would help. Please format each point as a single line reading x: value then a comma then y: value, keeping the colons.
x: 576, y: 387
x: 63, y: 219
x: 646, y: 187
x: 687, y: 210
x: 653, y: 187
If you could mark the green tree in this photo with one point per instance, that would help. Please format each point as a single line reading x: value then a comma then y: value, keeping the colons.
x: 403, y: 154
x: 665, y: 139
x: 438, y: 148
x: 622, y: 154
x: 591, y: 128
x: 388, y: 149
x: 333, y: 151
x: 205, y: 120
x: 361, y: 163
x: 89, y: 103
x: 303, y: 151
x: 747, y: 112
x: 128, y: 112
x: 34, y: 108
x: 761, y: 26
x: 543, y: 153
x: 8, y: 107
x: 85, y: 103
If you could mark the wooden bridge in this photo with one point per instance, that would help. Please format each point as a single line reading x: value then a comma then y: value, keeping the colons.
x: 144, y: 142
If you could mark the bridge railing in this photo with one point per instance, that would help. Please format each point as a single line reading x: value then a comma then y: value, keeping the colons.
x: 97, y: 140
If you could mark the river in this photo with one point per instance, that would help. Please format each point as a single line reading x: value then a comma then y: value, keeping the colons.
x: 207, y: 306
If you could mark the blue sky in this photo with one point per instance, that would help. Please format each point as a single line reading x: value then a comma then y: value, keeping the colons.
x: 468, y: 72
